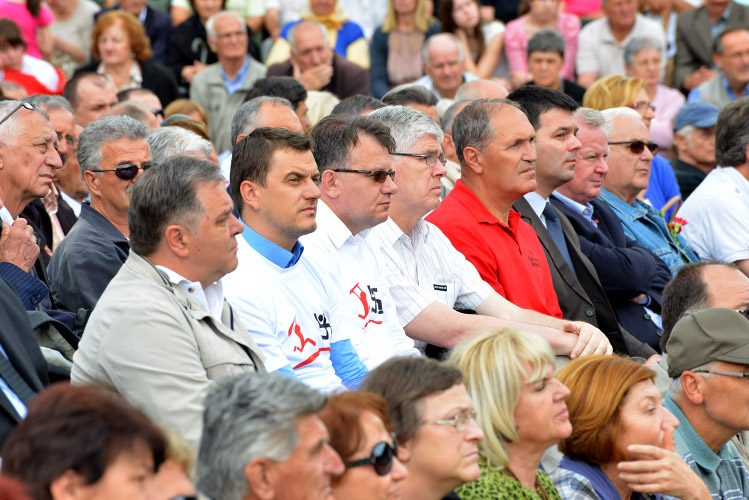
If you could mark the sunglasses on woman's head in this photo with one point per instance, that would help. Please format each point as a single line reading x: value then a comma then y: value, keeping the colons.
x: 381, y: 458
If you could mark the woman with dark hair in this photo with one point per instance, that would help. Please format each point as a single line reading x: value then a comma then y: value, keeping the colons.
x: 83, y: 442
x: 481, y: 41
x: 617, y: 418
x: 34, y: 19
x: 123, y: 51
x: 360, y: 433
x: 34, y: 75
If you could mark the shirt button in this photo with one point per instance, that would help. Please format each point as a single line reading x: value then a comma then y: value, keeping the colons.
x: 37, y: 295
x: 646, y: 316
x: 589, y: 312
x: 659, y: 332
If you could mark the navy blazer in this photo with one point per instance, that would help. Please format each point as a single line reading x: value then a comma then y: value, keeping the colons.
x: 626, y: 269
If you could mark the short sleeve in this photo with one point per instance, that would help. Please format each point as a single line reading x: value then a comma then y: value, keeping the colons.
x: 45, y: 17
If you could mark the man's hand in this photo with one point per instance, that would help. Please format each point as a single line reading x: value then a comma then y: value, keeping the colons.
x: 700, y: 76
x: 314, y: 78
x: 189, y: 72
x: 18, y: 245
x: 590, y: 340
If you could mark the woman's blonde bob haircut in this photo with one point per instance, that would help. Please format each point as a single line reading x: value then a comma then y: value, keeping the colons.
x: 422, y: 20
x: 612, y: 92
x: 598, y: 386
x: 495, y: 365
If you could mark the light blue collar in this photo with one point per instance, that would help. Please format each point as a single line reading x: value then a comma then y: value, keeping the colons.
x: 274, y: 253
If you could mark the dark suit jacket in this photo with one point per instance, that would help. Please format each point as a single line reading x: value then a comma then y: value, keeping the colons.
x: 581, y: 298
x: 158, y: 26
x: 38, y: 218
x: 156, y: 78
x: 348, y: 78
x: 694, y: 41
x: 23, y: 352
x: 625, y: 268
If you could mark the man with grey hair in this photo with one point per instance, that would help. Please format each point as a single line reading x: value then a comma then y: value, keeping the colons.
x: 480, y: 89
x: 416, y: 97
x: 162, y: 334
x: 263, y: 111
x: 694, y: 139
x: 317, y: 66
x: 427, y: 277
x: 221, y: 87
x: 137, y: 111
x: 90, y: 95
x: 708, y: 357
x: 262, y: 439
x: 631, y: 153
x: 452, y: 166
x: 731, y: 57
x: 716, y: 211
x: 444, y: 65
x: 167, y: 142
x: 112, y: 151
x: 545, y: 62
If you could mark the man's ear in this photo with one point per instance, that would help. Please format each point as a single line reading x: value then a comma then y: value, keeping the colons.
x: 404, y: 450
x: 693, y: 387
x: 211, y: 43
x: 681, y: 141
x: 177, y: 238
x: 68, y: 486
x: 449, y: 146
x: 93, y: 181
x: 250, y: 194
x: 473, y: 159
x: 260, y: 474
x: 330, y: 184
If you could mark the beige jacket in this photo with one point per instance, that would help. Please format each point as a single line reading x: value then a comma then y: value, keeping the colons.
x: 159, y: 349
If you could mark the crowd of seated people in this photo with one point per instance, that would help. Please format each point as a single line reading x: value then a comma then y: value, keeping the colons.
x: 267, y: 251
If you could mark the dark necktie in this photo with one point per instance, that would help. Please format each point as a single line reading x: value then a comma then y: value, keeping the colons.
x: 555, y: 230
x: 14, y: 380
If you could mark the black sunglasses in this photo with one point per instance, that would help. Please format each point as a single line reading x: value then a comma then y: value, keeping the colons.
x: 381, y: 458
x: 379, y: 176
x: 25, y: 105
x: 637, y: 147
x: 129, y: 171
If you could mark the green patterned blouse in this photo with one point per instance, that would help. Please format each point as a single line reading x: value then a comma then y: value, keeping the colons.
x: 497, y: 485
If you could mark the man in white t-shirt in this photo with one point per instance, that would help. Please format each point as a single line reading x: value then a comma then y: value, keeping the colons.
x: 718, y: 210
x: 427, y: 277
x: 357, y: 180
x: 285, y: 299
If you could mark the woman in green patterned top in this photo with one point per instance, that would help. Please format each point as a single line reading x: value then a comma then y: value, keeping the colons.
x: 520, y: 408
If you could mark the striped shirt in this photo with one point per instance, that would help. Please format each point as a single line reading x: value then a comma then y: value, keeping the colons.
x: 422, y: 267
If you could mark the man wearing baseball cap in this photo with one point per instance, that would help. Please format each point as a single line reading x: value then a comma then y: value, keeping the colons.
x: 694, y: 138
x: 708, y: 357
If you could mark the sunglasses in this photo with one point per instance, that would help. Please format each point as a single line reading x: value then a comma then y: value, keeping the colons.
x: 25, y: 105
x: 637, y: 147
x: 381, y: 458
x: 129, y: 171
x: 379, y: 176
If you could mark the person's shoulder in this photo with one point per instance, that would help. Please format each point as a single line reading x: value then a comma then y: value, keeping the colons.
x: 342, y: 63
x: 594, y: 26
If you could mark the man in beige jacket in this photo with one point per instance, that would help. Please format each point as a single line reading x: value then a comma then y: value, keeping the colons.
x: 162, y: 334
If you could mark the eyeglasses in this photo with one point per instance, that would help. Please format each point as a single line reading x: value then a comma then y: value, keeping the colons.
x: 431, y: 158
x: 729, y: 374
x: 379, y: 176
x: 25, y: 105
x: 381, y: 457
x: 637, y: 147
x: 129, y: 171
x: 642, y: 106
x: 459, y: 421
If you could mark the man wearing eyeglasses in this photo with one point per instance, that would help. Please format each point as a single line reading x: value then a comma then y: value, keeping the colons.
x: 286, y: 299
x: 112, y: 152
x: 427, y: 277
x: 631, y: 153
x: 356, y: 184
x: 708, y: 358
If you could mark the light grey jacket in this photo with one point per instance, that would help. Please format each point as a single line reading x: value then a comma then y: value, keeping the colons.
x: 160, y: 349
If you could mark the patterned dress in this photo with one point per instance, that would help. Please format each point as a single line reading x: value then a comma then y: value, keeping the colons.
x: 498, y: 485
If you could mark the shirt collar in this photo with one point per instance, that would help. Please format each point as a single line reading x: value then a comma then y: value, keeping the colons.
x: 537, y: 202
x: 468, y: 199
x: 334, y: 227
x: 584, y: 210
x: 274, y: 253
x: 211, y: 298
x: 241, y: 74
x: 5, y: 215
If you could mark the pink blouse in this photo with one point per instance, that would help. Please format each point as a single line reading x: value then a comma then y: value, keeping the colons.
x: 28, y: 23
x: 516, y: 43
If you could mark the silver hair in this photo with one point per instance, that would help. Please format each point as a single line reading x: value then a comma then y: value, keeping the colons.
x: 292, y: 33
x: 50, y: 102
x: 450, y: 113
x: 613, y: 113
x: 675, y: 390
x: 11, y: 128
x: 247, y: 117
x: 473, y: 126
x: 638, y: 44
x: 476, y: 90
x: 106, y: 129
x: 246, y: 417
x: 431, y: 39
x: 166, y: 142
x: 591, y: 117
x: 686, y: 132
x: 210, y: 24
x: 407, y: 125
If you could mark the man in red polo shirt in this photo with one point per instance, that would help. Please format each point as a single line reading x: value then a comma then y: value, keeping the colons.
x: 494, y: 143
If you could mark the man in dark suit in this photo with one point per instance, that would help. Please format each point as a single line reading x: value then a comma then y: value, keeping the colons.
x: 158, y: 25
x: 23, y: 371
x: 695, y: 31
x: 575, y: 280
x: 632, y: 276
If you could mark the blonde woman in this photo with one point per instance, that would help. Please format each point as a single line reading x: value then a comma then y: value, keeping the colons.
x: 520, y: 407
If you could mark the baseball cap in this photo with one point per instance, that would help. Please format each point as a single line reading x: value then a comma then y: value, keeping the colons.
x: 708, y: 335
x: 698, y: 114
